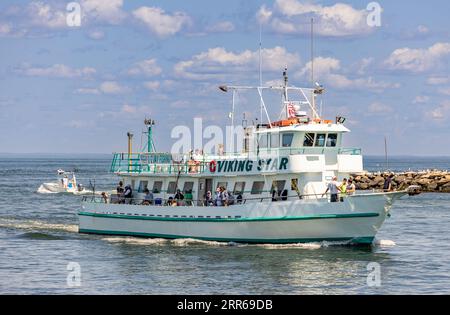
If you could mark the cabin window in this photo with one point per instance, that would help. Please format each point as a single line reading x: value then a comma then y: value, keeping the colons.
x: 332, y: 140
x: 263, y: 141
x: 188, y: 186
x: 239, y: 188
x: 157, y: 186
x: 222, y: 184
x: 275, y: 140
x: 287, y: 139
x: 309, y: 140
x: 143, y: 184
x: 278, y: 185
x: 133, y: 184
x: 257, y: 188
x: 294, y: 184
x: 320, y: 140
x: 171, y: 189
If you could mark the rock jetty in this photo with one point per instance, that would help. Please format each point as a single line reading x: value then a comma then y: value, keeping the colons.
x: 429, y: 181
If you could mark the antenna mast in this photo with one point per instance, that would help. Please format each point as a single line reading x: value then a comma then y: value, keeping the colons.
x: 260, y: 69
x: 313, y: 96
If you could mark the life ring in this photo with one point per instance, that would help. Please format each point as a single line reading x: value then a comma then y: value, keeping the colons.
x: 212, y: 166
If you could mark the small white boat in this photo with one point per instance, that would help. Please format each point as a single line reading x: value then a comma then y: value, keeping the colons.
x: 66, y: 183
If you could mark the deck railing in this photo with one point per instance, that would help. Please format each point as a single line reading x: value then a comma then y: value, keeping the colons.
x: 166, y: 163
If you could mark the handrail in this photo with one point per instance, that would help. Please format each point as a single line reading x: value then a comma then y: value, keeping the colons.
x: 165, y: 163
x: 201, y: 202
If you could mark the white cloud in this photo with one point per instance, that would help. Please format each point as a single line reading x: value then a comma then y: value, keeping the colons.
x: 152, y: 85
x: 379, y: 108
x: 43, y: 15
x: 221, y: 27
x: 160, y: 23
x: 88, y: 91
x: 96, y: 34
x: 417, y: 60
x: 329, y: 72
x: 112, y: 87
x: 289, y: 16
x: 438, y: 80
x: 5, y: 29
x: 420, y: 99
x: 109, y: 11
x: 216, y: 62
x: 441, y: 112
x: 147, y: 67
x: 57, y: 71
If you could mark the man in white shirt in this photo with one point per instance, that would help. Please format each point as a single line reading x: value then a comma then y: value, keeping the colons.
x: 332, y: 187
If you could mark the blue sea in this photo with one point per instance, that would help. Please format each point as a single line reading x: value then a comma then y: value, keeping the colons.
x: 41, y: 251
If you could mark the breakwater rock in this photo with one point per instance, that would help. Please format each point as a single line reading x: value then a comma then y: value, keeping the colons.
x: 429, y: 181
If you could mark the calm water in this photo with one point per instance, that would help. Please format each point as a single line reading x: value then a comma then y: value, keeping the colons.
x: 38, y: 239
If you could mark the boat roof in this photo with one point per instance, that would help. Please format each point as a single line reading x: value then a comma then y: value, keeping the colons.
x: 311, y: 127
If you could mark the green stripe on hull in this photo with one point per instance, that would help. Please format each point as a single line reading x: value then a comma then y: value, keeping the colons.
x: 224, y: 220
x: 352, y: 240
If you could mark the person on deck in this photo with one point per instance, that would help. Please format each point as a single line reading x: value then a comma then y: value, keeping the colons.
x: 128, y: 194
x: 148, y: 198
x: 387, y: 186
x: 343, y: 189
x: 333, y: 188
x: 351, y: 188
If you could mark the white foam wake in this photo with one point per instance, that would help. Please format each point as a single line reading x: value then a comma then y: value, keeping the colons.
x: 37, y: 225
x: 385, y: 243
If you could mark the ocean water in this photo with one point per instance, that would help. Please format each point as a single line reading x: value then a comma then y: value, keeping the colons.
x: 39, y: 245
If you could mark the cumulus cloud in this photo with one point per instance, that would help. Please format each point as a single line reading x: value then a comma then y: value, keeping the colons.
x: 420, y: 99
x: 161, y: 23
x: 329, y: 71
x: 441, y: 112
x: 147, y: 67
x: 417, y: 60
x: 215, y: 62
x: 108, y: 11
x: 44, y: 15
x: 152, y: 85
x: 56, y: 71
x: 292, y: 16
x: 112, y: 87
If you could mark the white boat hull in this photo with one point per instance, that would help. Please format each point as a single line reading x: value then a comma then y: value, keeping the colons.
x: 357, y: 220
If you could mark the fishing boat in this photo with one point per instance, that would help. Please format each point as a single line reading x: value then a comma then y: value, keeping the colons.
x: 66, y: 182
x: 277, y: 182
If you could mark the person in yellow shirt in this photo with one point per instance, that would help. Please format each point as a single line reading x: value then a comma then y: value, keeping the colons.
x: 343, y: 189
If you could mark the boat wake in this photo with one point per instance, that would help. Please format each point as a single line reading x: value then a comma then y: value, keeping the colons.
x: 384, y: 243
x: 52, y: 188
x: 37, y: 225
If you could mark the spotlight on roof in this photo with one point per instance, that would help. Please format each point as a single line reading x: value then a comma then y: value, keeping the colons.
x: 223, y: 88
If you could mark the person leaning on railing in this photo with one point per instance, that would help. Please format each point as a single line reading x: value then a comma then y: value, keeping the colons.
x: 333, y: 188
x: 343, y: 189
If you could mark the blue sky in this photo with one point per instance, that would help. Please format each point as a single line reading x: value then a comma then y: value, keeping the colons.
x: 80, y: 89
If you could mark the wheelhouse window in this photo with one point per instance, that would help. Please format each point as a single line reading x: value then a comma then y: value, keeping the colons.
x: 332, y: 140
x: 275, y: 140
x: 239, y: 188
x: 188, y: 186
x: 171, y: 189
x: 157, y: 186
x: 143, y: 184
x: 320, y: 140
x: 286, y: 139
x: 263, y: 141
x: 309, y: 140
x: 257, y: 187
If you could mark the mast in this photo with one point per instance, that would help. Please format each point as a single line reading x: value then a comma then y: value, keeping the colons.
x: 260, y: 71
x: 313, y: 96
x: 150, y: 144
